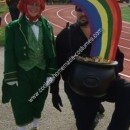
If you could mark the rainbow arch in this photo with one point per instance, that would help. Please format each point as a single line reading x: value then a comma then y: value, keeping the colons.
x: 103, y: 14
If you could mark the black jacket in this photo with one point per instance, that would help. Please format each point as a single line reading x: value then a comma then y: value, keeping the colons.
x: 68, y: 42
x: 12, y: 3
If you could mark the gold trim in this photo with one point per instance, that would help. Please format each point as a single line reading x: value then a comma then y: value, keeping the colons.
x: 53, y: 41
x: 10, y: 79
x: 23, y: 33
x: 10, y: 72
x: 51, y: 68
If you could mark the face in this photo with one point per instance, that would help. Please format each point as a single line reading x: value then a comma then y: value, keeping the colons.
x: 81, y: 17
x: 34, y: 9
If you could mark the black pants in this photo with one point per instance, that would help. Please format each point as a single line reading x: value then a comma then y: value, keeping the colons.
x: 14, y: 12
x: 85, y: 108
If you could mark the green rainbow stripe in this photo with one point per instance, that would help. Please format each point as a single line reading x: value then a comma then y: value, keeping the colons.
x: 110, y: 27
x: 117, y: 26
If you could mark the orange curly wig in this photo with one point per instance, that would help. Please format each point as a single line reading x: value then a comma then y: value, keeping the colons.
x: 22, y: 5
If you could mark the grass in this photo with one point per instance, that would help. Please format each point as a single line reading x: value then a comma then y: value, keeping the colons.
x: 126, y: 13
x: 3, y: 8
x: 2, y: 32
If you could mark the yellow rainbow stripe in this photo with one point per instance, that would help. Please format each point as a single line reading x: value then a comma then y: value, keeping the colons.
x: 104, y: 20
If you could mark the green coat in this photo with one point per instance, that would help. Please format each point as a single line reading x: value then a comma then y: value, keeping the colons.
x: 16, y: 48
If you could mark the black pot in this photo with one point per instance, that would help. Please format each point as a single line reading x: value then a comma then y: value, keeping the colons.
x: 91, y: 79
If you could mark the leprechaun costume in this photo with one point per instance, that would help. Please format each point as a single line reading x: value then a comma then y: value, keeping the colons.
x: 29, y: 60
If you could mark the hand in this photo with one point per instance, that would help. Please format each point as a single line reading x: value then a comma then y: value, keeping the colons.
x: 57, y: 102
x: 13, y: 83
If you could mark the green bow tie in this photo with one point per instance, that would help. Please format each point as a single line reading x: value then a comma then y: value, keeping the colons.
x: 38, y: 23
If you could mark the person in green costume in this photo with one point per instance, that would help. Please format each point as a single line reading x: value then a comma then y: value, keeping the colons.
x: 29, y: 62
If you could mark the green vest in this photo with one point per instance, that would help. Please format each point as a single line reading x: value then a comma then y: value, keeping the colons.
x: 35, y: 52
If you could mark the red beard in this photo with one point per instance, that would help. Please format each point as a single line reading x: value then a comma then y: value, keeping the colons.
x: 31, y: 19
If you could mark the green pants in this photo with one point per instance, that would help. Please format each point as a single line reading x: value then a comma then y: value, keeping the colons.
x: 29, y: 83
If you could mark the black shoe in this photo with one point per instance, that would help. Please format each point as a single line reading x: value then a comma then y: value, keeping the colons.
x: 101, y: 109
x: 98, y: 117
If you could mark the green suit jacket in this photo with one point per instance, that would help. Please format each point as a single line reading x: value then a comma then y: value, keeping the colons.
x: 16, y: 47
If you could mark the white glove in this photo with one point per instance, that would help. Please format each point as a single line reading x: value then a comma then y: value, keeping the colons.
x: 13, y: 83
x: 49, y: 80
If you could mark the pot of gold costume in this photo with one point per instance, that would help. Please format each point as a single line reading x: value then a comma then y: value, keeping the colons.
x: 89, y: 78
x: 92, y: 76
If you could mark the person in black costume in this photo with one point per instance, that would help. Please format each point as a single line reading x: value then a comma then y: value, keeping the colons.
x: 12, y: 5
x: 86, y: 108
